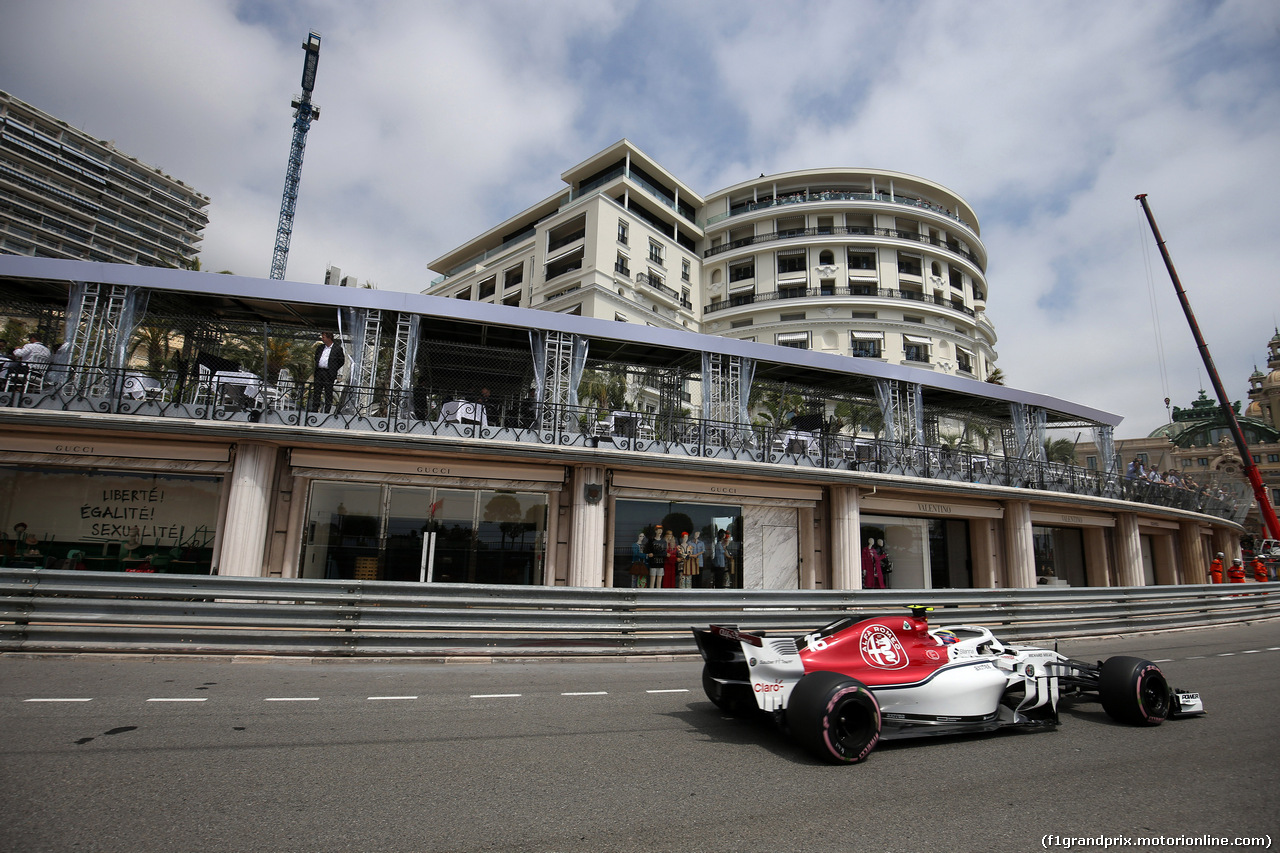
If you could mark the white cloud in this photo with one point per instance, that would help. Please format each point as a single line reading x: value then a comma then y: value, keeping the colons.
x: 439, y: 120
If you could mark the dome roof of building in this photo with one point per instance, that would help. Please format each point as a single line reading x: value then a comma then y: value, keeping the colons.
x: 1204, y: 424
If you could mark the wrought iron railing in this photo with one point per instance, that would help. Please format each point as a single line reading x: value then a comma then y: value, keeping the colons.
x: 242, y: 396
x: 842, y: 231
x: 850, y: 290
x: 834, y: 195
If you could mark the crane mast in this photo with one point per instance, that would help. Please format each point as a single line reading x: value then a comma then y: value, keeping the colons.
x: 304, y: 114
x: 1265, y: 509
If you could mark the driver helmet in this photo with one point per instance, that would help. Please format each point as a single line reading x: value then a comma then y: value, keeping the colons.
x: 946, y: 637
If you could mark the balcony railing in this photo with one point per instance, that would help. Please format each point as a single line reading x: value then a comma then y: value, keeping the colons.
x: 851, y: 290
x: 656, y: 284
x: 842, y: 231
x: 436, y: 412
x: 833, y: 195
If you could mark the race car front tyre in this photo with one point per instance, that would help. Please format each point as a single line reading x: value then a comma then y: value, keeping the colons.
x: 834, y: 716
x: 736, y: 700
x: 1134, y: 691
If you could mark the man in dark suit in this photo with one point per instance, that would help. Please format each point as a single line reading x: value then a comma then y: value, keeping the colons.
x: 329, y: 360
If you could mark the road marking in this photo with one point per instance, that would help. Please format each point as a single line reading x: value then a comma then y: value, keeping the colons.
x: 292, y: 699
x: 1227, y: 655
x: 495, y: 695
x: 380, y: 698
x: 593, y: 693
x: 1163, y: 660
x: 1251, y: 652
x: 178, y: 700
x: 1196, y: 657
x: 679, y: 690
x: 57, y: 700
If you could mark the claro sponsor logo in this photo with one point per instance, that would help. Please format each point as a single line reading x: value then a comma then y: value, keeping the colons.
x: 434, y: 469
x: 769, y: 687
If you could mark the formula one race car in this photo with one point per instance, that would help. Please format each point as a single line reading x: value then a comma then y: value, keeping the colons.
x: 842, y: 689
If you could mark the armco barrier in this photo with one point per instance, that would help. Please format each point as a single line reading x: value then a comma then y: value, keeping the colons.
x: 70, y: 611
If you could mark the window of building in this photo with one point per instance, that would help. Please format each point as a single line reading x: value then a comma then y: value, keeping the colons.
x: 964, y: 361
x: 513, y: 277
x: 791, y: 261
x: 916, y: 348
x: 864, y: 315
x: 742, y: 271
x: 513, y: 299
x: 826, y: 257
x: 909, y: 319
x: 794, y: 292
x: 909, y: 264
x: 624, y: 230
x: 1091, y: 462
x: 740, y: 324
x: 827, y: 287
x: 488, y: 287
x: 622, y: 265
x: 791, y: 318
x: 957, y: 279
x: 565, y: 264
x: 1273, y: 457
x: 710, y: 521
x: 862, y: 260
x: 795, y: 340
x: 685, y: 269
x: 866, y: 344
x: 1203, y: 462
x: 655, y: 252
x: 463, y: 294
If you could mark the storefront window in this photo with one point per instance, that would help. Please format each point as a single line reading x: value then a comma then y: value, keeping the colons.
x: 705, y: 523
x: 1059, y: 556
x: 897, y: 551
x: 408, y: 533
x: 107, y: 520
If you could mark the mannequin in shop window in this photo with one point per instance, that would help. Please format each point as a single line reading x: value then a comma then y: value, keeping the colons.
x: 639, y: 561
x: 886, y: 564
x: 688, y: 563
x: 671, y: 568
x: 698, y: 549
x: 718, y: 561
x: 657, y: 557
x: 872, y: 578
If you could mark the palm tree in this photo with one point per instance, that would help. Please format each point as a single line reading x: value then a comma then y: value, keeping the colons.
x: 1062, y: 450
x: 996, y: 376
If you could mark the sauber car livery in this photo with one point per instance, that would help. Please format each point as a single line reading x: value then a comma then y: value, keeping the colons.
x: 842, y: 689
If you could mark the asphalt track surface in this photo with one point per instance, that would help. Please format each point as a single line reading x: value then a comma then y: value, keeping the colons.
x: 116, y: 754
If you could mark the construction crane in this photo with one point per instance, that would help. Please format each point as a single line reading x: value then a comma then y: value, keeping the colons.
x: 304, y: 114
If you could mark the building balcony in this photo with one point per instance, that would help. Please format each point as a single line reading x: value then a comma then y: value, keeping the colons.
x: 843, y: 231
x: 834, y: 196
x: 654, y: 283
x: 853, y: 290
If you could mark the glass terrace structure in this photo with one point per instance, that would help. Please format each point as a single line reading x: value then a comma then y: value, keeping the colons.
x: 179, y: 428
x: 65, y: 194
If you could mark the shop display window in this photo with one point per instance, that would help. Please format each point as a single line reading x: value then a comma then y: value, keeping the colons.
x: 705, y: 523
x: 107, y: 520
x: 1059, y: 556
x: 364, y: 531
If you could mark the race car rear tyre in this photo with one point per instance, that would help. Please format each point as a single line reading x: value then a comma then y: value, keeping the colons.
x: 736, y: 700
x: 835, y: 717
x: 1134, y: 691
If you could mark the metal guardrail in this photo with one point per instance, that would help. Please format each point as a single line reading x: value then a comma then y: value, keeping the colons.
x: 73, y: 611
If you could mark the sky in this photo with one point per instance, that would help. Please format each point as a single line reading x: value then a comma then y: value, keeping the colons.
x: 441, y: 119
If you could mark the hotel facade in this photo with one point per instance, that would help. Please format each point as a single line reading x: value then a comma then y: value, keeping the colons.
x: 182, y: 430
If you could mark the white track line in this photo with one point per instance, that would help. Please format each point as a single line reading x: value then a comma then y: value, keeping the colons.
x: 176, y: 700
x: 57, y: 700
x: 678, y: 690
x: 496, y: 695
x: 382, y: 698
x: 292, y: 699
x: 592, y: 693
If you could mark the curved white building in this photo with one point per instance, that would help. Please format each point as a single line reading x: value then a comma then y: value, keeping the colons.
x: 858, y: 262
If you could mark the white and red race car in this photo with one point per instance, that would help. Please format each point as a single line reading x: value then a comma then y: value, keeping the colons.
x: 842, y: 689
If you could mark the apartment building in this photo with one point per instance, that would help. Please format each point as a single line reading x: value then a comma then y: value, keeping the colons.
x: 65, y: 194
x: 864, y: 263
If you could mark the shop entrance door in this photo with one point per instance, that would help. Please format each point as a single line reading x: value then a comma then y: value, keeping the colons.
x: 429, y: 532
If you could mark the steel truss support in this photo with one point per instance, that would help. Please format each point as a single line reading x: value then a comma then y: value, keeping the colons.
x: 101, y: 320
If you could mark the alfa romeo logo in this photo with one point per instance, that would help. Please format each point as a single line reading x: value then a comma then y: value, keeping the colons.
x: 881, y: 649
